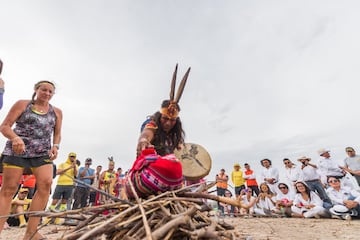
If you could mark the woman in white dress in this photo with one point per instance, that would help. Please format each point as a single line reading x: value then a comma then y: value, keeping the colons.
x: 307, y: 203
x: 265, y: 202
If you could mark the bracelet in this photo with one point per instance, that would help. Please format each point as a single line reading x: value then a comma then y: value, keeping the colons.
x: 57, y: 146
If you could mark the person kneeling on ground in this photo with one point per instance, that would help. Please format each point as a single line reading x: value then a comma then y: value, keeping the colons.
x: 19, y: 205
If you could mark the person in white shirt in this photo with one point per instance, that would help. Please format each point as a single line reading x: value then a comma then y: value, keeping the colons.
x: 248, y: 201
x: 265, y: 202
x: 311, y: 177
x: 346, y: 201
x: 307, y: 204
x: 292, y: 173
x: 284, y: 200
x: 270, y: 175
x: 352, y: 163
x: 328, y: 167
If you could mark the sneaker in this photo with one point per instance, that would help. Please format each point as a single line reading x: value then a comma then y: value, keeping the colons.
x: 354, y: 213
x: 58, y: 221
x: 22, y: 225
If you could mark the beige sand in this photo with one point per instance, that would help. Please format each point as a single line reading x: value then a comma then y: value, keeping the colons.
x: 254, y: 229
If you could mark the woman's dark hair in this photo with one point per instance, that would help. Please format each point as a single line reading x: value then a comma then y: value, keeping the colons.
x: 307, y: 189
x: 265, y: 184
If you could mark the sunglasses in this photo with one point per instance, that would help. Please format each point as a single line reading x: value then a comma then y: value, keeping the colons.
x: 287, y: 163
x: 334, y: 181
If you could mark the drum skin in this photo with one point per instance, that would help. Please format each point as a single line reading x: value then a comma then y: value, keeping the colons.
x: 195, y: 160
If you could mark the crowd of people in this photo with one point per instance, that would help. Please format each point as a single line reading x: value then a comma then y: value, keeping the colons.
x: 310, y: 189
x: 32, y: 128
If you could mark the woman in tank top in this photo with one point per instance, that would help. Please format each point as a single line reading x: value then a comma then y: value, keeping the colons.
x: 32, y: 146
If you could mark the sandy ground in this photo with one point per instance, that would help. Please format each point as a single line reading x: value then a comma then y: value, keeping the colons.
x: 253, y: 229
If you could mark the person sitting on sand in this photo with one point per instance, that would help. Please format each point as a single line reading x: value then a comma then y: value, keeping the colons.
x: 229, y: 210
x: 248, y: 201
x: 265, y: 202
x: 346, y: 201
x: 284, y: 200
x: 307, y: 204
x: 20, y: 204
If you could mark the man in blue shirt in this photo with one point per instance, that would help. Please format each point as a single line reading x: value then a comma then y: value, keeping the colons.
x: 81, y: 193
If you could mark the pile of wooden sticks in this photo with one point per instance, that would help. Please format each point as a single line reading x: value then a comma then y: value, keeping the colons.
x: 180, y: 214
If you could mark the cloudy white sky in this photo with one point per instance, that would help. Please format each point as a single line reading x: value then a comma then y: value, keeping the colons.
x: 269, y: 78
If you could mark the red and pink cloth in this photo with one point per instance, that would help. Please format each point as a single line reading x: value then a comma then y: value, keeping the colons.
x: 153, y: 174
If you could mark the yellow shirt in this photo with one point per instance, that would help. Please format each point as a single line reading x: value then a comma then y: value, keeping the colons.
x: 13, y: 206
x: 63, y: 179
x: 237, y: 178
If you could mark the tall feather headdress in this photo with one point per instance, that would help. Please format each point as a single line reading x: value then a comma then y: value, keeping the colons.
x: 172, y: 111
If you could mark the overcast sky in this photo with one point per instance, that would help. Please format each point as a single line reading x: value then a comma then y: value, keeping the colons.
x: 268, y: 78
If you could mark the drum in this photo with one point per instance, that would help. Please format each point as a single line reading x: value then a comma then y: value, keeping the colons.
x: 195, y: 160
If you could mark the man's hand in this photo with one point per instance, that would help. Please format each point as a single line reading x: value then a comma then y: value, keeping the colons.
x: 350, y: 203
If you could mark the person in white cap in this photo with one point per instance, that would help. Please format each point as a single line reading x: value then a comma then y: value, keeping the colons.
x: 310, y: 175
x: 328, y: 167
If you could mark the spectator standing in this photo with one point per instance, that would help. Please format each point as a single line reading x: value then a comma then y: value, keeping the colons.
x: 292, y: 173
x: 107, y: 181
x: 328, y: 167
x: 270, y: 175
x: 311, y: 177
x: 81, y: 194
x: 250, y: 178
x: 119, y: 182
x: 2, y: 90
x: 93, y: 199
x: 352, y: 163
x: 221, y: 186
x: 237, y: 179
x: 67, y: 171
